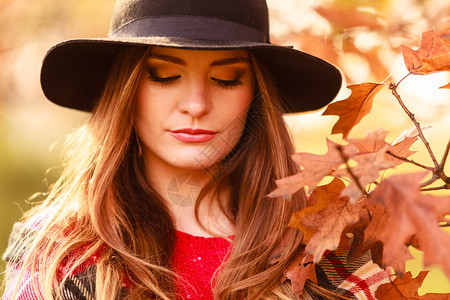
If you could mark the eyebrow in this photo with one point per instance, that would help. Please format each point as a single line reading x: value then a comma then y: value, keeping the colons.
x: 220, y: 62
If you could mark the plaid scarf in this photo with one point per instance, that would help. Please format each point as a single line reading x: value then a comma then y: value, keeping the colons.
x: 358, y: 279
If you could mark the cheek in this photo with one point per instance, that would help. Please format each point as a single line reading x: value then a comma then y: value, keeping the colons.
x: 237, y: 116
x: 145, y: 117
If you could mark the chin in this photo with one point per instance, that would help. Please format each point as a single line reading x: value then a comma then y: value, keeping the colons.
x: 193, y: 165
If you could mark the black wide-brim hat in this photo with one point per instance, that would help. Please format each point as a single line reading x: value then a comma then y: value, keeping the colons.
x: 74, y: 72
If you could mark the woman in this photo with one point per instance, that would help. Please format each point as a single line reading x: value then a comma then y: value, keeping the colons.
x: 164, y: 190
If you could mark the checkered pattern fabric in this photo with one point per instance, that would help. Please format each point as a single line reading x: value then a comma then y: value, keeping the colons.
x: 358, y: 279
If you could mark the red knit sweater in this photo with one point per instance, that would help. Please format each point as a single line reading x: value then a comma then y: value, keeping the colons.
x: 196, y: 259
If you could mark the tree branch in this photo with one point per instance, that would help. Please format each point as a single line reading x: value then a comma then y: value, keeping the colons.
x: 444, y: 157
x: 352, y: 175
x: 403, y: 78
x: 437, y: 188
x: 410, y: 161
x: 446, y: 224
x: 438, y: 170
x: 429, y: 181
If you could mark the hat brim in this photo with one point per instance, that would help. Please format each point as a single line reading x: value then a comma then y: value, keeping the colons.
x: 74, y: 72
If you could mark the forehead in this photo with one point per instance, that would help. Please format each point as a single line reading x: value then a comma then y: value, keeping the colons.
x: 200, y: 55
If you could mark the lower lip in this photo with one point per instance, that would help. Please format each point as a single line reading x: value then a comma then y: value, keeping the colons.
x: 193, y: 138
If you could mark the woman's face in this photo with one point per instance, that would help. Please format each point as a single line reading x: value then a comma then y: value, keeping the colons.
x: 192, y: 106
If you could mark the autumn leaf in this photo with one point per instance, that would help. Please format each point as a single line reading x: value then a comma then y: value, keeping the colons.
x: 445, y: 33
x: 400, y: 210
x: 354, y: 108
x: 374, y: 141
x: 330, y: 221
x: 301, y: 270
x: 447, y: 86
x: 432, y: 56
x: 319, y: 199
x: 352, y: 239
x: 366, y: 171
x: 401, y: 145
x: 315, y: 168
x: 406, y: 288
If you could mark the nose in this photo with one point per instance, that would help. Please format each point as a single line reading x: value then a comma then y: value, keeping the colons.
x: 196, y: 101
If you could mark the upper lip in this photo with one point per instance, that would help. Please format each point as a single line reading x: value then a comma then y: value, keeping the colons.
x: 193, y: 131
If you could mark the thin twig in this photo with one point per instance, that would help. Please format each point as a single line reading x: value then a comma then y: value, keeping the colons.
x: 403, y: 78
x: 437, y: 188
x: 444, y: 157
x: 429, y: 181
x: 409, y: 161
x: 438, y: 169
x: 353, y: 176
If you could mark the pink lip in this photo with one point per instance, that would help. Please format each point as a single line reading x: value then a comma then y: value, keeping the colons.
x: 190, y: 135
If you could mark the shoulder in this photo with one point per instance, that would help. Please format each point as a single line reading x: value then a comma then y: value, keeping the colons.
x: 23, y: 234
x: 23, y: 283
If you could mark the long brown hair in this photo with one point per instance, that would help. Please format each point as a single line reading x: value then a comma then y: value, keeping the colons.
x: 104, y: 202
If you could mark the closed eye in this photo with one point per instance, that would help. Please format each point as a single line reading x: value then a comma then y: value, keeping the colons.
x: 163, y: 80
x: 227, y: 83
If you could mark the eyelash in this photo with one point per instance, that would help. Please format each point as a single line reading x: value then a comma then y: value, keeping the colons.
x: 227, y: 83
x: 172, y: 79
x: 163, y: 80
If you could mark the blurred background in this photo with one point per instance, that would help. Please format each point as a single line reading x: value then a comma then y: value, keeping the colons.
x: 362, y: 38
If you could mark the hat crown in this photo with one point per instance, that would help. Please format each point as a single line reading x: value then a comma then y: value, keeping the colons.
x: 250, y: 13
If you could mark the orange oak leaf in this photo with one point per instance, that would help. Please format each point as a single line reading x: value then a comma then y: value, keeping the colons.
x: 375, y: 141
x: 315, y: 168
x: 447, y: 86
x: 319, y: 199
x: 352, y: 239
x: 366, y: 171
x: 380, y: 220
x: 432, y: 56
x: 301, y: 270
x: 400, y: 210
x: 331, y: 221
x: 354, y: 108
x: 401, y: 145
x: 445, y: 33
x: 406, y: 288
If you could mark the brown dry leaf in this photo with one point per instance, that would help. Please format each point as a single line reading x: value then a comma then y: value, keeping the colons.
x: 331, y: 221
x: 406, y: 288
x: 301, y: 269
x: 354, y: 108
x: 367, y: 171
x: 316, y: 167
x: 445, y: 33
x: 374, y: 141
x: 399, y: 210
x: 401, y: 145
x: 352, y: 239
x: 320, y: 197
x: 432, y: 56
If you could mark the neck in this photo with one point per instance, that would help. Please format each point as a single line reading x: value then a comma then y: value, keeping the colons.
x: 181, y: 188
